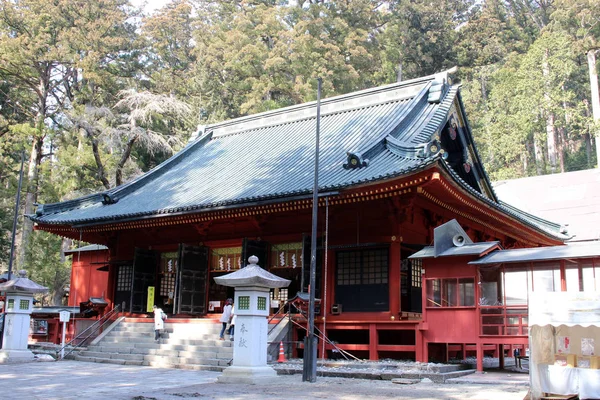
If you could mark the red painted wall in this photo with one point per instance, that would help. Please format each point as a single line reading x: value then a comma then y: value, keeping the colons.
x: 450, y: 324
x: 86, y: 280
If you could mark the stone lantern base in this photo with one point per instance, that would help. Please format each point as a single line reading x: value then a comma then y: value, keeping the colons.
x: 16, y: 356
x: 247, y: 375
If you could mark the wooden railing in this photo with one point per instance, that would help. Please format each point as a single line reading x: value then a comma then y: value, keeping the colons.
x: 504, y: 320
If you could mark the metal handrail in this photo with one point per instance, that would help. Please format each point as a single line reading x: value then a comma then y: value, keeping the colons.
x: 281, y: 318
x: 89, y: 332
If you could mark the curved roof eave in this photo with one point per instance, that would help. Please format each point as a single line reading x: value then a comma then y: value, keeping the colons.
x: 237, y: 203
x: 509, y: 211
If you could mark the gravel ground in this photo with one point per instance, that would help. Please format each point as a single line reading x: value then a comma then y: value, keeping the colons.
x: 291, y: 387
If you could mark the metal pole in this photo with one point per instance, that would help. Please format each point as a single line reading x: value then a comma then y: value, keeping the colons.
x: 14, y: 229
x: 310, y: 346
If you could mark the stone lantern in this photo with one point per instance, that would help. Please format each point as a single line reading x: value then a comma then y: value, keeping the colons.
x: 252, y: 285
x: 18, y: 308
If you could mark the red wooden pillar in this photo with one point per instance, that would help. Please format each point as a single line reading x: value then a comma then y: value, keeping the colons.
x: 420, y: 352
x: 373, y: 356
x: 464, y: 351
x: 56, y: 338
x: 395, y: 262
x: 479, y: 347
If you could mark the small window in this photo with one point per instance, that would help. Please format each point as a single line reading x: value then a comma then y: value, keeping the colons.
x: 124, y: 278
x: 24, y: 305
x: 417, y: 268
x: 243, y: 303
x: 451, y: 292
x: 282, y: 296
x: 262, y: 303
x: 11, y: 304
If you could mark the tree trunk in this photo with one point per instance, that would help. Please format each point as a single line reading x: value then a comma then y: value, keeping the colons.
x: 588, y: 139
x: 35, y: 160
x: 484, y: 95
x: 399, y: 74
x: 123, y: 160
x: 591, y: 56
x: 99, y: 164
x: 540, y: 166
x: 550, y: 123
x: 562, y: 140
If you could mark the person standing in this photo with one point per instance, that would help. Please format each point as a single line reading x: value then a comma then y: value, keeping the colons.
x: 231, y: 330
x: 225, y: 317
x: 159, y: 321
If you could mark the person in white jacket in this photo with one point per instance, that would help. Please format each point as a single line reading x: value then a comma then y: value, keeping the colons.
x: 231, y: 330
x: 226, y: 317
x: 159, y: 322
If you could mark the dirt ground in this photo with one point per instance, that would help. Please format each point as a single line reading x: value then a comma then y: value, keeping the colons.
x: 291, y: 387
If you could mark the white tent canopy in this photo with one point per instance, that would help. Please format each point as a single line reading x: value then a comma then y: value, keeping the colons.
x: 564, y: 308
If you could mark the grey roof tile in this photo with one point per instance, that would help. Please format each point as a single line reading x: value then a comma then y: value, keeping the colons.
x: 271, y: 155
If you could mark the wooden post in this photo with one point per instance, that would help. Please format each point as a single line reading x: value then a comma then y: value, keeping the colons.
x: 373, y: 356
x: 479, y: 347
x: 395, y: 288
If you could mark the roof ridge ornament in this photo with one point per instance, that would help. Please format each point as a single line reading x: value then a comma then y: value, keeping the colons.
x: 355, y: 160
x: 109, y: 198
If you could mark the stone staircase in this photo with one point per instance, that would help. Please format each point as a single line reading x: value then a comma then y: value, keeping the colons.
x: 183, y: 345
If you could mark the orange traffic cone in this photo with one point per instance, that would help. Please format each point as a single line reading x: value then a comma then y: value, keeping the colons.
x: 281, y: 354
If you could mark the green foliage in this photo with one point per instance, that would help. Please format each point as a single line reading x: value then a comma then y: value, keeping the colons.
x: 44, y: 266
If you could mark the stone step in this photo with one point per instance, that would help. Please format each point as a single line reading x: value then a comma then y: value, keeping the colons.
x: 113, y: 356
x: 183, y: 346
x: 171, y: 327
x: 110, y: 341
x: 226, y: 352
x: 108, y: 360
x: 187, y: 361
x: 164, y: 334
x: 193, y: 367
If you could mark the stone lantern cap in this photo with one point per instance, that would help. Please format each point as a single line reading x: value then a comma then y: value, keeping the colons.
x: 22, y: 284
x: 252, y: 275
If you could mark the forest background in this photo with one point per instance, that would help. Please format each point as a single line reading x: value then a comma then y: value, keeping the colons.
x: 94, y: 92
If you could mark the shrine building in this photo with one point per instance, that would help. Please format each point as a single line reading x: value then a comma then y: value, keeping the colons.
x: 395, y: 163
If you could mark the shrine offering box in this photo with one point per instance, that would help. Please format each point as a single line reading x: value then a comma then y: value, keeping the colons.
x: 565, y: 360
x: 592, y: 362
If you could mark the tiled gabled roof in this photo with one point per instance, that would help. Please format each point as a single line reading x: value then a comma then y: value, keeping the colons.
x: 271, y: 155
x: 366, y: 136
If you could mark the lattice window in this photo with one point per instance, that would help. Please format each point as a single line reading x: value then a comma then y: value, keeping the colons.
x: 283, y: 295
x: 124, y: 278
x: 243, y: 303
x: 226, y: 259
x: 11, y: 304
x: 417, y: 268
x: 261, y: 303
x: 362, y: 267
x: 287, y: 255
x: 24, y: 305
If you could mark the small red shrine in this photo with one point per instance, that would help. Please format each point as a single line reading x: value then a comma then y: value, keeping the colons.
x: 395, y: 162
